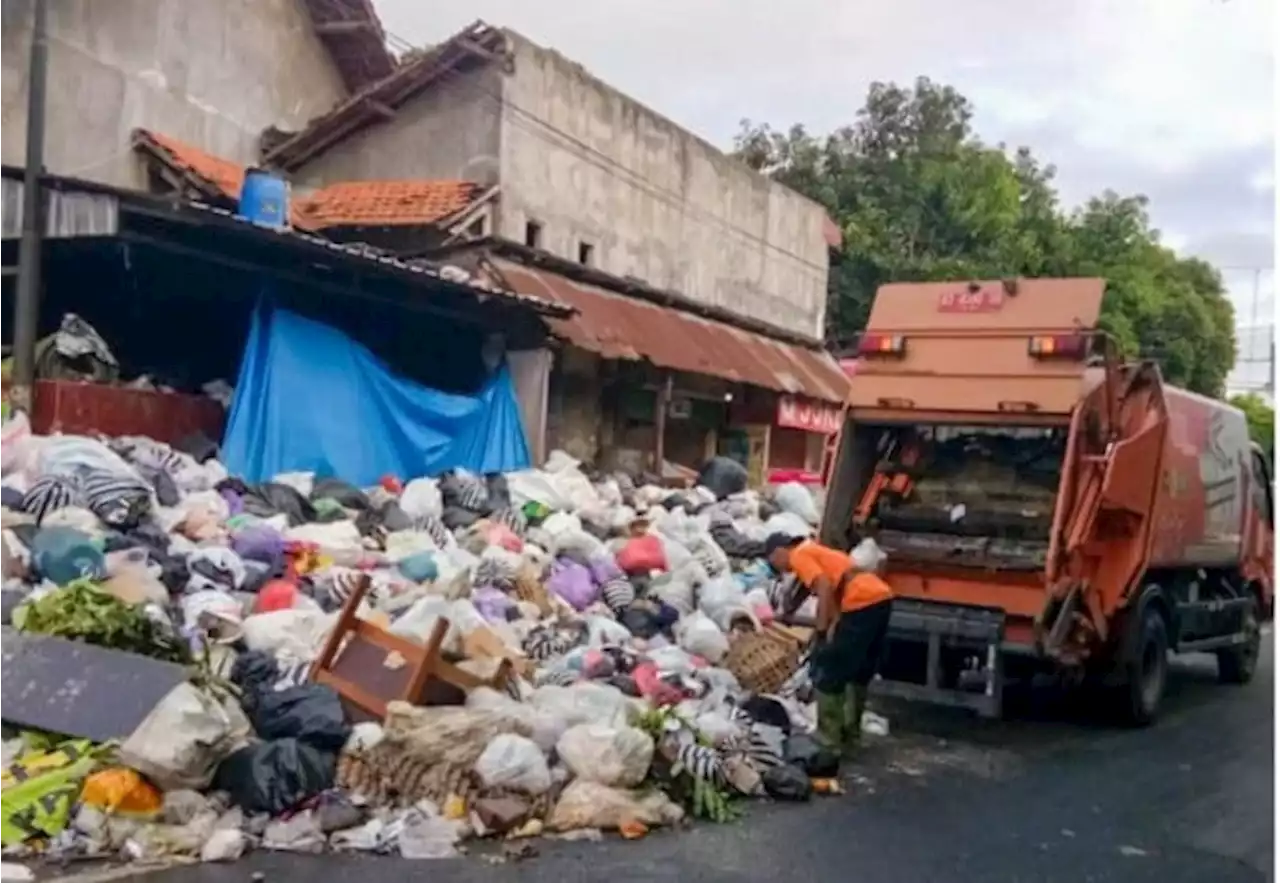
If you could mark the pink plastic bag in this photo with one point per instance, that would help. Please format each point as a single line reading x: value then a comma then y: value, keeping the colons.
x: 501, y: 535
x: 641, y: 555
x: 654, y: 688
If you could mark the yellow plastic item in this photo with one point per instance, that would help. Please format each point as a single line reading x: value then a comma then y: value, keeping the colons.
x: 40, y: 789
x: 827, y: 786
x: 122, y: 791
x: 455, y: 808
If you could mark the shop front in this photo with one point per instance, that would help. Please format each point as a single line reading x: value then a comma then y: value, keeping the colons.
x: 781, y: 438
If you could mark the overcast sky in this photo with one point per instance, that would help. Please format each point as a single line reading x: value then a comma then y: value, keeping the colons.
x: 1171, y: 98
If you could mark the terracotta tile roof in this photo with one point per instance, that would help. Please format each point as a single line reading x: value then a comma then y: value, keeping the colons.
x: 385, y: 203
x: 211, y: 172
x: 344, y: 204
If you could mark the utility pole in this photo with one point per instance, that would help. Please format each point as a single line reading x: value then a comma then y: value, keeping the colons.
x: 27, y: 318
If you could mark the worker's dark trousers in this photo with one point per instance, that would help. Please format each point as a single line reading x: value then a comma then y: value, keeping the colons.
x: 842, y: 670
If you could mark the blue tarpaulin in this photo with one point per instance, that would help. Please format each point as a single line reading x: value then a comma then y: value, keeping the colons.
x: 310, y: 398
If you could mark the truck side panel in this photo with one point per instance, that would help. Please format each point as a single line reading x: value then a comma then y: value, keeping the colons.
x: 1203, y: 501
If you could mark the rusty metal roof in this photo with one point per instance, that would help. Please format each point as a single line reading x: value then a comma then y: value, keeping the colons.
x: 377, y: 102
x: 620, y: 327
x: 352, y: 33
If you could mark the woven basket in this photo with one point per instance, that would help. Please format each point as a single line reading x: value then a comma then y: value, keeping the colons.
x: 763, y: 660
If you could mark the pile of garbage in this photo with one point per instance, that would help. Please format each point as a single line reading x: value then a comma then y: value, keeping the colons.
x: 597, y: 670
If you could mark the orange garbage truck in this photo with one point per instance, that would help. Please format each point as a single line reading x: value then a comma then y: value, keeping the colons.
x: 1047, y: 509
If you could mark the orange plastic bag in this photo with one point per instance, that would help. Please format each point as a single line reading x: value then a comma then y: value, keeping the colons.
x: 122, y: 791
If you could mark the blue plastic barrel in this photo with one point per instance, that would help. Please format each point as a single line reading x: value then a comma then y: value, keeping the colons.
x: 264, y: 199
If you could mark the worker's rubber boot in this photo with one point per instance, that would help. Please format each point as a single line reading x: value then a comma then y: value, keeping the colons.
x: 854, y: 705
x: 831, y: 715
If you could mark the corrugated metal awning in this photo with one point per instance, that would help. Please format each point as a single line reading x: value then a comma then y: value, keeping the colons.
x: 620, y: 327
x: 67, y: 215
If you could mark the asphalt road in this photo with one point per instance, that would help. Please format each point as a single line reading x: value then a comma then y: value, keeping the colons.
x: 1048, y: 796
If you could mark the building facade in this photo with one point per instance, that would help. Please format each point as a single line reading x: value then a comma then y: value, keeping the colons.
x: 697, y: 284
x: 696, y: 280
x: 214, y: 74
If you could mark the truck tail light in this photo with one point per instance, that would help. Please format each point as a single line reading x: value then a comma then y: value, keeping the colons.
x: 1059, y: 346
x: 882, y: 345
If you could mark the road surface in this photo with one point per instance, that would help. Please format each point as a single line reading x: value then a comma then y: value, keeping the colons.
x: 1046, y: 797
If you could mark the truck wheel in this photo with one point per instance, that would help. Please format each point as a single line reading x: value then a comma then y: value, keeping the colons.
x: 1147, y: 671
x: 1237, y: 664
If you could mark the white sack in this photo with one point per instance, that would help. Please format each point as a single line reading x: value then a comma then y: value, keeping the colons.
x: 614, y: 756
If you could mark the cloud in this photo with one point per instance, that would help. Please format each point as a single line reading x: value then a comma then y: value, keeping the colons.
x: 1171, y: 98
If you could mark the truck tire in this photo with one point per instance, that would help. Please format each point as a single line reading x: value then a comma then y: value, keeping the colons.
x: 1237, y: 664
x: 1147, y: 670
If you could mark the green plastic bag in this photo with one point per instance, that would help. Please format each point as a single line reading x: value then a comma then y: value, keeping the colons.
x: 40, y: 789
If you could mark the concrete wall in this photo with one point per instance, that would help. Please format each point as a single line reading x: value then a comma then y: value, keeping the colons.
x: 211, y: 73
x: 592, y: 165
x: 574, y: 408
x: 450, y: 131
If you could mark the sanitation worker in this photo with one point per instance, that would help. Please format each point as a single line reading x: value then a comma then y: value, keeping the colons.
x: 853, y: 618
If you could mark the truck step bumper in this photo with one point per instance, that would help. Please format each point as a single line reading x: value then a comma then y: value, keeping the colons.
x: 949, y: 628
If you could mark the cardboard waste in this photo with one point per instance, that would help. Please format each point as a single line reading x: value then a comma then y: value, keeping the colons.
x: 553, y: 649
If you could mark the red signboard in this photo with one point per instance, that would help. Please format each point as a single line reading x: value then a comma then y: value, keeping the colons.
x: 983, y: 300
x: 818, y: 417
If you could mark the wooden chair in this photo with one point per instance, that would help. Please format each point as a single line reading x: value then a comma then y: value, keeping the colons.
x: 370, y: 667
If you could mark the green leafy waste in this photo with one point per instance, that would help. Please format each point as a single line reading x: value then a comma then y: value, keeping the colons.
x: 703, y: 799
x: 81, y: 611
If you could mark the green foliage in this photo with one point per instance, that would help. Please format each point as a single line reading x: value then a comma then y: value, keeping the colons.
x: 1262, y: 421
x: 920, y: 197
x: 703, y: 799
x: 81, y: 611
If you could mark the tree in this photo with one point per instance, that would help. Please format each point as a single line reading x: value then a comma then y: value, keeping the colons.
x: 1262, y: 420
x: 920, y: 197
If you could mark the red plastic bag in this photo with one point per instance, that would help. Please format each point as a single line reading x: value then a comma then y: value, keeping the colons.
x: 279, y: 594
x: 641, y: 555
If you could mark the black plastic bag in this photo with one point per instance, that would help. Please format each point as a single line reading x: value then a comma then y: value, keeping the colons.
x: 787, y: 782
x: 198, y: 445
x: 394, y: 518
x: 768, y: 711
x: 254, y: 672
x: 809, y: 755
x: 498, y: 492
x: 276, y: 776
x: 345, y: 494
x: 456, y: 517
x: 271, y: 498
x: 723, y: 477
x: 311, y: 713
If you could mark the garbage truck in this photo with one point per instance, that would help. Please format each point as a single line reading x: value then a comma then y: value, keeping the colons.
x: 1048, y: 509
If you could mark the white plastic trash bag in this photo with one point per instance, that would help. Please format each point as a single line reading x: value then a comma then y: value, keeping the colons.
x: 592, y: 805
x: 297, y: 634
x: 545, y: 728
x: 789, y: 524
x: 698, y: 634
x: 867, y: 555
x: 583, y: 703
x: 614, y: 756
x: 421, y: 498
x: 181, y: 742
x: 723, y: 600
x: 515, y: 763
x: 795, y: 498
